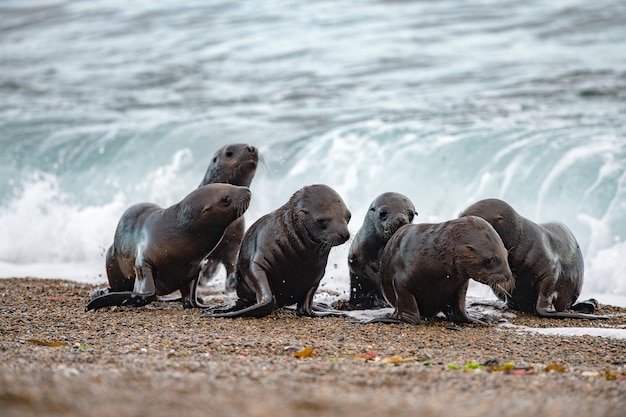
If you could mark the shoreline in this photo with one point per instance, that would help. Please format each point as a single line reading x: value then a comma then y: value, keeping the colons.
x: 161, y: 359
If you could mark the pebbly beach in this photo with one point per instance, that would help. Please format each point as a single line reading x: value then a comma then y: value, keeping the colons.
x: 161, y: 359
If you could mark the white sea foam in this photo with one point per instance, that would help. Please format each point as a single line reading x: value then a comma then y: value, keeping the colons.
x: 363, y: 104
x: 575, y: 331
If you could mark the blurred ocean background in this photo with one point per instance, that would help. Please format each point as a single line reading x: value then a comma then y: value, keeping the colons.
x: 107, y: 103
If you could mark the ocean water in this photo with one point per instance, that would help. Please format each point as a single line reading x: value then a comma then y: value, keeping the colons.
x: 104, y: 104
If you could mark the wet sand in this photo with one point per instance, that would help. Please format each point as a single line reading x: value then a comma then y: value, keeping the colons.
x: 162, y: 360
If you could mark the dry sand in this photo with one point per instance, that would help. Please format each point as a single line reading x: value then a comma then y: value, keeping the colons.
x: 162, y: 360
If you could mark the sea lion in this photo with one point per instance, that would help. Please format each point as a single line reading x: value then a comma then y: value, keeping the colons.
x: 232, y: 164
x: 387, y: 213
x: 426, y: 268
x: 283, y: 255
x: 545, y: 259
x: 157, y: 251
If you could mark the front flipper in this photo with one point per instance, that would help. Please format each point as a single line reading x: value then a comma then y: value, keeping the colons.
x: 320, y: 310
x: 261, y: 304
x: 144, y: 292
x: 256, y: 310
x: 384, y: 320
x: 189, y: 295
x: 305, y: 307
x: 456, y: 311
x: 124, y: 298
x: 169, y: 298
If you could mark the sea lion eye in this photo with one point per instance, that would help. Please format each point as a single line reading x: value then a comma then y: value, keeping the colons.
x: 383, y: 214
x: 225, y: 200
x: 322, y: 222
x: 215, y: 159
x: 491, y: 261
x: 229, y: 153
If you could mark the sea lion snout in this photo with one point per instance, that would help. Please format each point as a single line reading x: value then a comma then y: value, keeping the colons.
x: 501, y: 282
x: 341, y: 232
x: 394, y: 223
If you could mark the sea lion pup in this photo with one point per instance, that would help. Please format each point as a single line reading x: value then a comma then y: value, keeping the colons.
x: 426, y: 268
x: 387, y: 213
x: 157, y: 251
x: 232, y: 164
x: 283, y: 255
x: 545, y: 259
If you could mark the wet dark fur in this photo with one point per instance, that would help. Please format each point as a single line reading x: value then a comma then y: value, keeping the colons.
x: 283, y: 255
x: 426, y: 268
x: 387, y: 213
x: 157, y: 251
x: 232, y: 164
x: 545, y: 259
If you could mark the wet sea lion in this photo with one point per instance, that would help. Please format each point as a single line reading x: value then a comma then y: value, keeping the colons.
x: 157, y: 251
x: 545, y: 259
x: 387, y: 213
x: 283, y: 255
x: 232, y: 164
x: 425, y: 268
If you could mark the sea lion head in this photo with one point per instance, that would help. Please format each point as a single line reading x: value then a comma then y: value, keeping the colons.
x: 481, y: 255
x: 215, y: 204
x: 390, y: 211
x: 500, y: 215
x: 321, y: 214
x: 233, y: 164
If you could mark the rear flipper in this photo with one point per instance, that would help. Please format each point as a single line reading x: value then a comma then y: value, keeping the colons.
x: 582, y: 306
x: 545, y: 308
x: 124, y: 298
x: 567, y: 315
x: 588, y: 306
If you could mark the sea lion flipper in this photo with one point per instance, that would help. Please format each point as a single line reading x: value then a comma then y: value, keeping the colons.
x: 324, y: 310
x: 569, y: 315
x: 256, y: 310
x: 305, y: 307
x: 231, y: 282
x: 190, y: 298
x: 169, y: 298
x: 384, y: 320
x: 586, y: 306
x: 545, y: 308
x: 123, y: 298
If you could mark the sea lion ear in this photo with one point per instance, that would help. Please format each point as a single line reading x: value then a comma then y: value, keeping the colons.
x: 469, y: 248
x: 206, y: 209
x: 500, y: 219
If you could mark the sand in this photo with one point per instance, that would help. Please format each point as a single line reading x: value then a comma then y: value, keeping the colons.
x: 162, y: 360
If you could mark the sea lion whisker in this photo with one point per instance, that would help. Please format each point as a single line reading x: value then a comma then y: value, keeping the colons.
x: 502, y: 290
